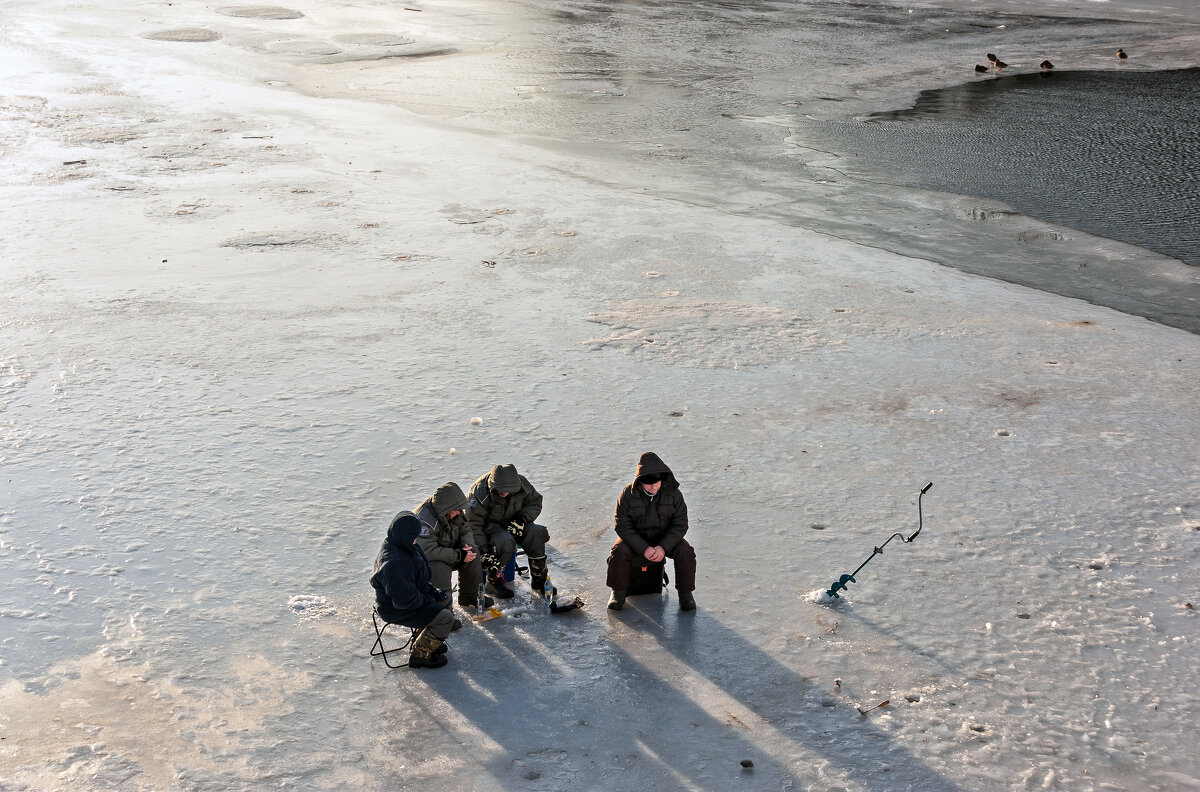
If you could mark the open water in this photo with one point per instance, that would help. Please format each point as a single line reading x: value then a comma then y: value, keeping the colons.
x: 1113, y: 153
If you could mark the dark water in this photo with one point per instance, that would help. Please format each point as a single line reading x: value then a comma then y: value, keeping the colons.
x: 1112, y: 153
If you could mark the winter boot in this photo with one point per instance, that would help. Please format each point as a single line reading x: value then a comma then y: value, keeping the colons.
x: 497, y: 586
x: 616, y: 600
x: 425, y: 652
x: 686, y: 601
x: 538, y: 572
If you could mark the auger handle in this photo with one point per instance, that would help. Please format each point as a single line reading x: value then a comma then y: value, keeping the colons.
x: 920, y: 517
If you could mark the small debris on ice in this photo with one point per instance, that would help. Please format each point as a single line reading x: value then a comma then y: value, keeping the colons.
x: 880, y: 705
x: 476, y: 421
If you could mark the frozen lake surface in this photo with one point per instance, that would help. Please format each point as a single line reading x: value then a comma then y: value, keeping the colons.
x: 263, y: 265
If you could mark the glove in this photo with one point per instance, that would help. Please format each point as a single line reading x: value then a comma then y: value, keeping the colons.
x: 441, y: 595
x: 557, y: 607
x: 517, y: 529
x: 462, y: 555
x: 490, y: 560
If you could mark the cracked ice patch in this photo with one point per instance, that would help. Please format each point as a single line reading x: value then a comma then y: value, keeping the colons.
x: 707, y: 333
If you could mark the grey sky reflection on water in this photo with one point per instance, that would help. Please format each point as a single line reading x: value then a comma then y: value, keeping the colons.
x: 1111, y: 153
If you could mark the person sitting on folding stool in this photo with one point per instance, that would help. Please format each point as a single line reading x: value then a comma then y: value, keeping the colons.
x: 501, y: 508
x: 404, y: 594
x: 650, y: 521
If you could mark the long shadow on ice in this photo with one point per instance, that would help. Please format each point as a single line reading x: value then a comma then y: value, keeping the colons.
x: 582, y: 714
x: 892, y: 635
x: 644, y: 698
x: 788, y: 714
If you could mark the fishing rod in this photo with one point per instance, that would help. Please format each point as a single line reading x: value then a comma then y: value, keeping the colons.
x: 840, y: 585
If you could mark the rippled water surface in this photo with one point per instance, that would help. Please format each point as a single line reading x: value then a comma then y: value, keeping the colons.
x: 1112, y: 153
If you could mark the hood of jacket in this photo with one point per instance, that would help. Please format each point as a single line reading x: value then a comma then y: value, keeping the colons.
x: 650, y: 465
x: 405, y: 528
x: 504, y: 478
x: 447, y: 498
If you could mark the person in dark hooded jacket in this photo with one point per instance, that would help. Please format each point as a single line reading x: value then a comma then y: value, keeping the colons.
x: 404, y: 593
x: 501, y: 508
x: 650, y: 521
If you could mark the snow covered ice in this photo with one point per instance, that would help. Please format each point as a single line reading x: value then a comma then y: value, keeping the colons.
x: 267, y: 272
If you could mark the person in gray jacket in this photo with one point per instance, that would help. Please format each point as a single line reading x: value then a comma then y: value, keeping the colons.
x: 450, y: 545
x: 501, y: 508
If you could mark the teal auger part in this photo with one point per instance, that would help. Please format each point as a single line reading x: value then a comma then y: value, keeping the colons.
x: 840, y: 585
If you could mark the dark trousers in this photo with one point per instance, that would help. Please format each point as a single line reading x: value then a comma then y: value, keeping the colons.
x: 533, y: 542
x: 469, y: 577
x: 622, y: 559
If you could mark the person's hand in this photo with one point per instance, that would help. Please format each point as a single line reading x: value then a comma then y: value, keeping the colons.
x: 441, y: 595
x: 654, y: 554
x: 469, y: 554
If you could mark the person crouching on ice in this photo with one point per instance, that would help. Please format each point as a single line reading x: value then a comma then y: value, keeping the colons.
x: 501, y: 508
x: 450, y: 545
x: 650, y: 520
x: 404, y: 594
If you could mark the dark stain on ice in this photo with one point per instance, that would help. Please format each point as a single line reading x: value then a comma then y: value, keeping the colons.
x: 426, y: 53
x: 303, y: 47
x: 191, y: 35
x: 260, y: 12
x: 271, y: 240
x: 1015, y: 398
x: 374, y: 39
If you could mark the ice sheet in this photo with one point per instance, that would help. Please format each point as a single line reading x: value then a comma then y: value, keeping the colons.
x: 258, y: 318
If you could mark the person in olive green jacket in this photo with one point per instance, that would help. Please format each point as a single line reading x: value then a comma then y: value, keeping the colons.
x: 450, y: 545
x: 501, y: 508
x: 650, y: 521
